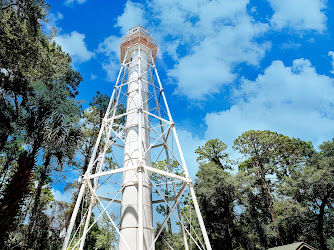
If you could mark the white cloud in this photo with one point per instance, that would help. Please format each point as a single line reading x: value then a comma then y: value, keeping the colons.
x: 208, y: 39
x: 74, y: 44
x: 133, y: 15
x: 110, y: 48
x: 299, y: 14
x: 331, y: 54
x: 112, y: 67
x: 211, y: 64
x: 295, y: 101
x: 59, y: 196
x: 93, y: 77
x: 216, y: 35
x: 72, y: 2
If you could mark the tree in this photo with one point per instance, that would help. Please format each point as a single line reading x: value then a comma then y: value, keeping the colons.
x: 313, y: 187
x: 90, y: 127
x: 252, y: 213
x: 216, y: 192
x: 36, y: 84
x: 92, y: 120
x: 168, y: 240
x: 167, y: 189
x: 59, y: 212
x: 106, y: 236
x: 61, y: 147
x: 213, y: 152
x: 12, y: 200
x: 271, y: 154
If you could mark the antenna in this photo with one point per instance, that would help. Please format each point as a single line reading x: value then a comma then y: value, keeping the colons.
x: 137, y: 163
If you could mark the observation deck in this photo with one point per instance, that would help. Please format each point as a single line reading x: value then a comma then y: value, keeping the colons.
x: 139, y: 35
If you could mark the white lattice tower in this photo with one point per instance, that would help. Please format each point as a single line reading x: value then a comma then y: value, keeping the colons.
x: 137, y: 162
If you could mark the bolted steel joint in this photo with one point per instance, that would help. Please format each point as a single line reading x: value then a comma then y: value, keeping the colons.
x: 84, y: 179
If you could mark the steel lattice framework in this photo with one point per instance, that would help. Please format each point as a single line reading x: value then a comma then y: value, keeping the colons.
x: 137, y: 163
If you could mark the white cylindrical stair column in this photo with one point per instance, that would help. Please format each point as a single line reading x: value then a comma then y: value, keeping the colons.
x: 137, y: 100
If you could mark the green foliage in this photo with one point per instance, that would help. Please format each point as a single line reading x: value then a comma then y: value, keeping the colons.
x: 106, y: 236
x: 271, y: 153
x: 313, y: 187
x: 282, y: 193
x: 92, y: 120
x: 168, y: 240
x: 251, y: 212
x: 165, y: 188
x: 38, y: 87
x: 213, y: 152
x: 100, y: 102
x: 216, y: 192
x: 271, y: 158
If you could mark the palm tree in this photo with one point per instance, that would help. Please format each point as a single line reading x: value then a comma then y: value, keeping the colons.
x: 61, y: 137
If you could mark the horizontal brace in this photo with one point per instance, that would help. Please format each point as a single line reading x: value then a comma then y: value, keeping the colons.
x: 158, y: 117
x: 167, y: 199
x: 175, y: 176
x: 120, y: 116
x: 117, y: 145
x: 128, y: 82
x: 135, y: 183
x: 158, y: 145
x: 108, y: 199
x: 110, y: 172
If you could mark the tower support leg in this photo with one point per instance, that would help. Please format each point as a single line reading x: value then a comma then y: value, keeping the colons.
x: 83, y: 238
x: 74, y: 216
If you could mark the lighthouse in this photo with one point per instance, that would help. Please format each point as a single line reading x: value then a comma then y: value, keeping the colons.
x: 137, y: 163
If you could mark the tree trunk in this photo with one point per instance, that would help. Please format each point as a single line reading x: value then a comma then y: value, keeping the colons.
x: 228, y: 236
x: 269, y: 200
x: 36, y: 208
x: 17, y: 189
x: 270, y: 203
x: 320, y: 226
x: 217, y: 162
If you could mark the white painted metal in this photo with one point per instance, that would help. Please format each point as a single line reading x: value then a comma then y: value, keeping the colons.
x: 138, y: 123
x: 136, y: 223
x: 74, y: 215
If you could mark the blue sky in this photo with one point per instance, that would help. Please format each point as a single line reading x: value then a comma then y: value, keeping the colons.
x: 226, y: 66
